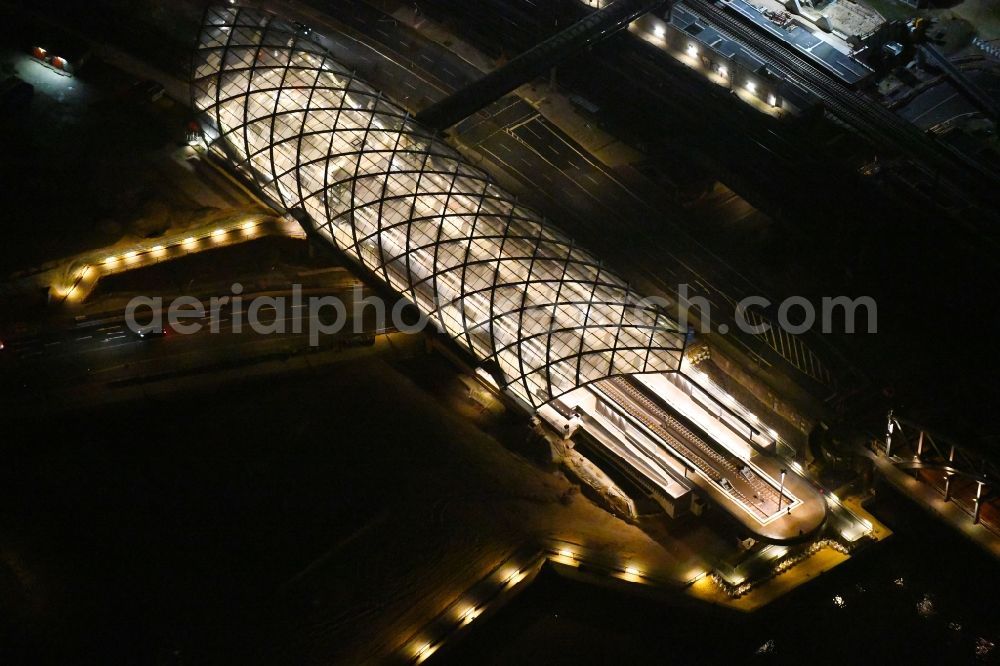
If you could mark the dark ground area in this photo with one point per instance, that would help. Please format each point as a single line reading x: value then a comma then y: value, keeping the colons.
x: 303, y: 519
x: 164, y: 533
x: 76, y: 165
x: 286, y: 521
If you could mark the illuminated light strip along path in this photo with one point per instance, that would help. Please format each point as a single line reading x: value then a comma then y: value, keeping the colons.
x: 72, y: 281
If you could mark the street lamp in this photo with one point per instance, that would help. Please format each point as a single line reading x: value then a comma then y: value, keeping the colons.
x: 977, y: 503
x: 888, y: 435
x: 781, y: 493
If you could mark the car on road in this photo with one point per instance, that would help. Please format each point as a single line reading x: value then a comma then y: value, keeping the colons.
x: 150, y: 90
x: 151, y: 333
x: 726, y: 485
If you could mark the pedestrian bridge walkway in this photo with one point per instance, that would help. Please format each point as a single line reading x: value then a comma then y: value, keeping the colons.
x: 535, y: 61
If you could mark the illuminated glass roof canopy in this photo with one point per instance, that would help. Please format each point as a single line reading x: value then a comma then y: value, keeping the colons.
x: 499, y: 280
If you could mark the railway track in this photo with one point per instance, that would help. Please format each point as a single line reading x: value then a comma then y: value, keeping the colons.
x: 880, y: 125
x: 693, y: 448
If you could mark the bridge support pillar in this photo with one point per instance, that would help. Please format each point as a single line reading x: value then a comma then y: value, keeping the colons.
x: 890, y: 427
x: 947, y: 477
x: 977, y: 503
x: 920, y: 444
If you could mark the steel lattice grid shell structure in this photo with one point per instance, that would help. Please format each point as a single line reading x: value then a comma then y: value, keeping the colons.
x: 504, y: 284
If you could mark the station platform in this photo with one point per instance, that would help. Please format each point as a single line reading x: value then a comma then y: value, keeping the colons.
x: 674, y: 442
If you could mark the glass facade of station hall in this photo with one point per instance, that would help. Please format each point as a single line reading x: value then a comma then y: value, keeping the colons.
x: 500, y: 281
